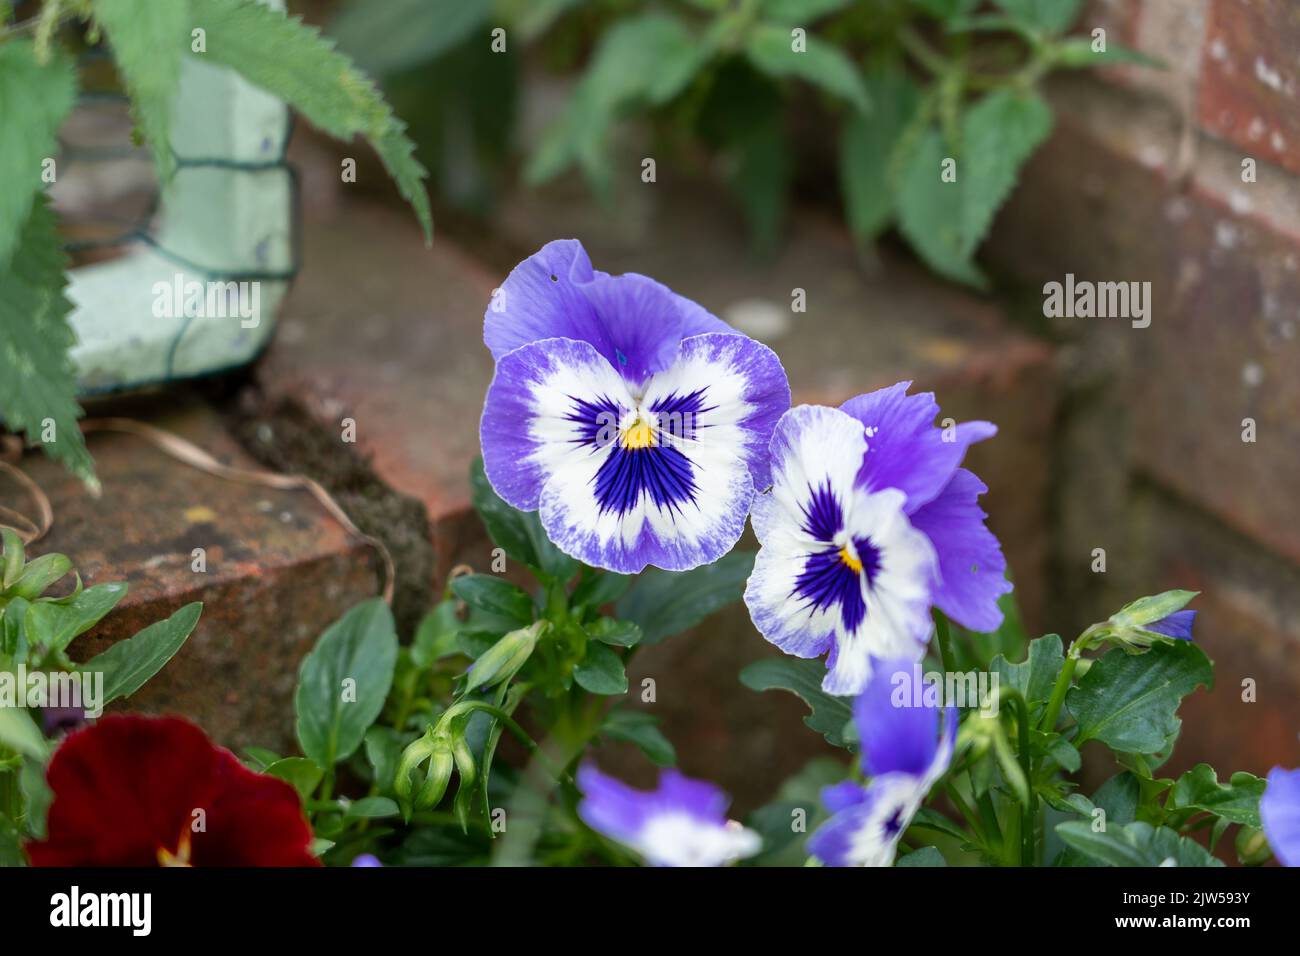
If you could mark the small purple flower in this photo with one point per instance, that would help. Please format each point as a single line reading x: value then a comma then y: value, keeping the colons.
x: 1279, y: 809
x: 366, y: 860
x: 1177, y: 625
x: 57, y: 721
x: 683, y: 823
x: 871, y: 521
x: 904, y: 752
x: 633, y: 420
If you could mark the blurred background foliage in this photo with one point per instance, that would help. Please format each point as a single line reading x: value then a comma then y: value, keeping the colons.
x: 768, y: 96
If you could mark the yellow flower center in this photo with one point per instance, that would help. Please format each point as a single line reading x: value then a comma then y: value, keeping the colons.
x: 182, y: 855
x: 640, y: 434
x: 854, y: 563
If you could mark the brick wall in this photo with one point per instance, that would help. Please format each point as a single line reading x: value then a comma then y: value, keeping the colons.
x: 1147, y: 178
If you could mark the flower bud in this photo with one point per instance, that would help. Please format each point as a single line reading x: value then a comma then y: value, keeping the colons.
x: 502, y: 660
x: 435, y: 748
x: 1252, y: 846
x: 1148, y: 620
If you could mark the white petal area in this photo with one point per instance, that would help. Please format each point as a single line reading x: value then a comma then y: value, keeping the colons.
x: 681, y: 839
x: 897, y: 623
x: 897, y: 798
x: 557, y: 438
x: 675, y: 537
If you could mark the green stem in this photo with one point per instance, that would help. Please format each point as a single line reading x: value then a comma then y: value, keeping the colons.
x: 511, y: 725
x: 943, y: 633
x: 1029, y: 814
x: 1064, y: 678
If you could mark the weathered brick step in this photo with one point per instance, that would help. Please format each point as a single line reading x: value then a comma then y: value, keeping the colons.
x: 276, y: 569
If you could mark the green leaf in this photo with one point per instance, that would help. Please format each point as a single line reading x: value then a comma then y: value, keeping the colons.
x: 36, y: 376
x: 259, y: 758
x: 36, y: 98
x: 1130, y: 701
x: 38, y: 575
x: 601, y: 671
x: 1035, y: 677
x: 925, y: 856
x: 502, y: 604
x: 771, y: 49
x: 946, y: 9
x: 52, y: 625
x: 639, y: 728
x: 343, y: 682
x: 799, y: 12
x: 830, y: 715
x: 1119, y: 797
x: 435, y: 637
x: 1136, y: 844
x: 643, y: 60
x: 929, y: 210
x: 19, y: 732
x: 600, y: 588
x: 867, y: 144
x: 519, y: 533
x: 384, y: 746
x: 128, y: 664
x: 292, y: 61
x: 759, y: 179
x: 37, y: 796
x: 664, y: 603
x: 1077, y: 53
x: 1237, y: 801
x: 300, y: 772
x: 383, y: 38
x: 999, y: 133
x: 610, y: 631
x: 14, y: 557
x: 1046, y: 16
x: 148, y: 39
x: 372, y: 808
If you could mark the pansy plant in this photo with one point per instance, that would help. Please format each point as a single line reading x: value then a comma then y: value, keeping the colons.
x: 627, y: 436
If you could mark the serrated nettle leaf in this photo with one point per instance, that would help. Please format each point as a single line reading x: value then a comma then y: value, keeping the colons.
x: 1237, y: 801
x: 37, y: 97
x: 777, y: 52
x: 498, y: 599
x: 929, y: 209
x: 608, y: 630
x: 294, y: 62
x: 601, y: 671
x: 664, y: 603
x: 1130, y: 702
x: 128, y: 664
x: 1135, y: 844
x: 803, y: 678
x: 299, y: 772
x: 343, y: 682
x: 999, y: 133
x: 37, y: 386
x: 639, y: 728
x: 396, y: 34
x: 867, y: 144
x: 1045, y: 16
x: 148, y: 40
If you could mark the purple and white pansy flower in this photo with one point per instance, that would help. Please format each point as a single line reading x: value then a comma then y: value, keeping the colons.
x: 871, y: 521
x: 632, y: 419
x: 1279, y: 810
x: 683, y: 823
x: 904, y: 752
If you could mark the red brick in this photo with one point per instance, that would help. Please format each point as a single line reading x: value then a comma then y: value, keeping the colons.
x: 1250, y: 87
x: 279, y: 570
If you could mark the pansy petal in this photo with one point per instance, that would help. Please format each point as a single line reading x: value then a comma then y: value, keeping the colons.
x: 696, y: 797
x: 550, y: 404
x: 638, y: 323
x: 867, y: 832
x: 906, y: 451
x: 1177, y: 625
x: 610, y: 806
x: 972, y: 568
x: 813, y: 447
x: 727, y: 390
x: 841, y: 796
x: 898, y: 731
x: 542, y: 298
x: 1279, y: 809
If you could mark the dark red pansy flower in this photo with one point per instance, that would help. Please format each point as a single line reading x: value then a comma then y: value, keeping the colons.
x: 154, y: 791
